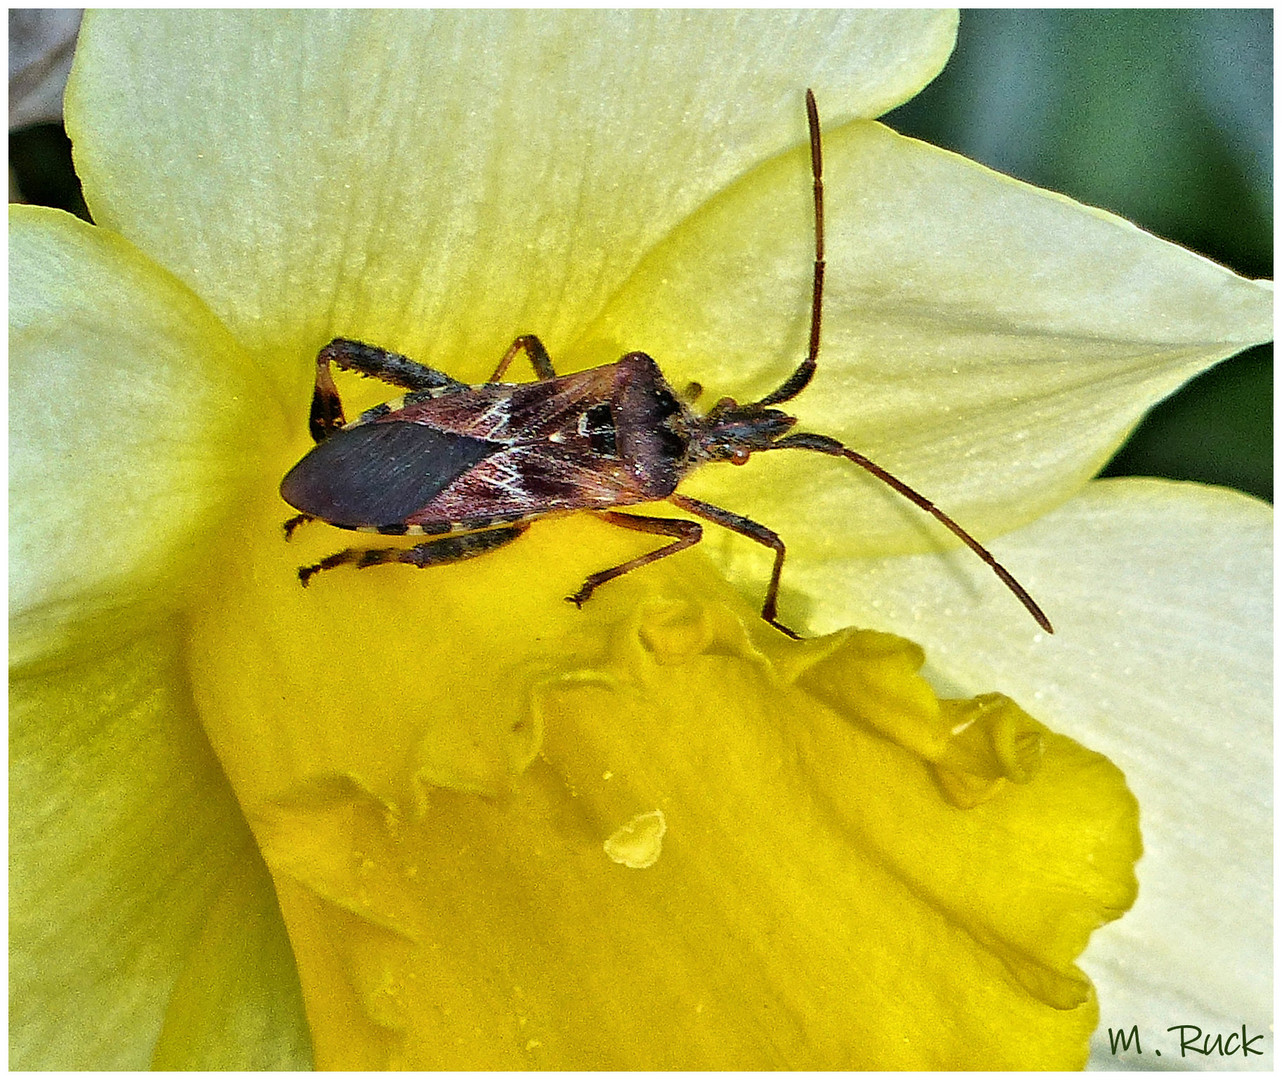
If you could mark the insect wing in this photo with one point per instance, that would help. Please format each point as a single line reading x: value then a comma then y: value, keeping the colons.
x: 555, y: 447
x: 526, y: 482
x: 380, y: 474
x: 512, y: 414
x: 498, y: 452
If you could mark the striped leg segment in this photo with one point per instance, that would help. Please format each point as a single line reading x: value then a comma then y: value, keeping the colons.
x: 327, y: 408
x: 435, y: 552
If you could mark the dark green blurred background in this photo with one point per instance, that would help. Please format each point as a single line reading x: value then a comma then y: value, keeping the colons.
x: 1164, y: 117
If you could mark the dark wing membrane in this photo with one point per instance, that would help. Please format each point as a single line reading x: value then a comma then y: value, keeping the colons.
x: 380, y: 474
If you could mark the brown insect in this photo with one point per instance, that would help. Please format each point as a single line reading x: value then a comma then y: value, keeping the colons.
x: 471, y: 466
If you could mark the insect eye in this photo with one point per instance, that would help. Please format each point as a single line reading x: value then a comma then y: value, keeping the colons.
x: 740, y: 456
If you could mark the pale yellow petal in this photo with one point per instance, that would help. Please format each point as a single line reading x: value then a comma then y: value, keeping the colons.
x: 441, y: 181
x: 134, y: 886
x: 133, y: 418
x: 988, y: 342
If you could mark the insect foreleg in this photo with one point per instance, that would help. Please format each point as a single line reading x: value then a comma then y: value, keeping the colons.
x: 749, y: 528
x: 686, y: 533
x: 435, y: 552
x: 534, y: 349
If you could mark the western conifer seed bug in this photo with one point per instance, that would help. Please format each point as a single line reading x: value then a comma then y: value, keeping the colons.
x: 471, y: 466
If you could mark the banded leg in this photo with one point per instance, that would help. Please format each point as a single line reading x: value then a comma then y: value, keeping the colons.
x: 749, y: 528
x: 436, y: 552
x: 327, y: 408
x: 533, y: 348
x: 685, y: 533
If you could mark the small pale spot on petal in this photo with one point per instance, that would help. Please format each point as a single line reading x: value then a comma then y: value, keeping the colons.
x: 638, y: 843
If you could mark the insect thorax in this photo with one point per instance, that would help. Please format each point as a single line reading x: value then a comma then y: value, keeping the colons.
x: 651, y: 427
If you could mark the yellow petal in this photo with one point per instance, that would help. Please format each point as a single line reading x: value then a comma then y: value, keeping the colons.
x: 133, y: 420
x: 1162, y: 658
x: 441, y: 767
x: 142, y: 927
x: 442, y: 181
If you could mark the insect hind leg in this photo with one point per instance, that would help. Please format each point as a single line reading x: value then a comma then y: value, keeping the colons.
x: 438, y: 551
x: 327, y: 408
x: 293, y: 523
x: 378, y: 363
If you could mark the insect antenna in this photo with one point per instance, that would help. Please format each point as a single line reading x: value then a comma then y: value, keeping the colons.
x: 799, y: 379
x: 824, y: 445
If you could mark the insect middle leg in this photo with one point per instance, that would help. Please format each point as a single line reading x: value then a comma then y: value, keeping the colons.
x: 686, y: 534
x: 534, y: 349
x: 749, y: 528
x: 435, y: 552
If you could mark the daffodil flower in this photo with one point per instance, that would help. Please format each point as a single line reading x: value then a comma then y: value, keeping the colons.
x: 441, y: 818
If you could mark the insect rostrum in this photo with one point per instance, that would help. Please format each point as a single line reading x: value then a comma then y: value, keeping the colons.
x: 471, y: 466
